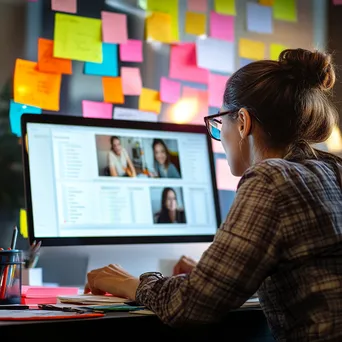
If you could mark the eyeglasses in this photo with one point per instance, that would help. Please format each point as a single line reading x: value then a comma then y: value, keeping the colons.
x: 214, y: 124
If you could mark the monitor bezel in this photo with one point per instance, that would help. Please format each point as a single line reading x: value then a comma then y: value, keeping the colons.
x: 61, y: 119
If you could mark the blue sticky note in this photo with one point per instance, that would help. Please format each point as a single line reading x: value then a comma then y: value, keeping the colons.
x: 259, y: 18
x: 245, y: 61
x: 109, y: 65
x: 16, y: 111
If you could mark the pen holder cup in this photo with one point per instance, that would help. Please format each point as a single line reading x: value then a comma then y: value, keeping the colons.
x: 10, y: 276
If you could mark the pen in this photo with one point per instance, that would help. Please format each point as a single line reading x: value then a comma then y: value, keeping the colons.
x: 14, y: 238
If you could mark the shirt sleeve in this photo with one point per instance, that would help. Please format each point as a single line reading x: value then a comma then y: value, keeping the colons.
x: 110, y: 159
x: 242, y: 255
x: 173, y: 172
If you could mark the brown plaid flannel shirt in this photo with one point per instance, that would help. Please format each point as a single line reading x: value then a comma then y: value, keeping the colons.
x: 282, y: 238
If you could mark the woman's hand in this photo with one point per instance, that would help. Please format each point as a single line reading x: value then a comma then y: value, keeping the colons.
x: 184, y: 265
x: 111, y: 279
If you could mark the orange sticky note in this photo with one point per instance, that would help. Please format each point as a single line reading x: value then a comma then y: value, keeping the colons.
x: 35, y: 88
x: 251, y: 49
x: 112, y: 90
x: 195, y: 23
x: 48, y: 63
x: 149, y: 101
x: 158, y: 27
x: 266, y: 2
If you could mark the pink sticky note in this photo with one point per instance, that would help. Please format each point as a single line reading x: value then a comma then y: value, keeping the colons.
x: 222, y: 26
x: 197, y: 5
x: 224, y: 178
x: 170, y: 91
x: 131, y: 81
x: 217, y: 146
x: 199, y: 98
x: 69, y: 6
x: 131, y: 51
x: 216, y: 87
x: 183, y: 64
x: 99, y: 110
x: 114, y: 27
x: 337, y: 2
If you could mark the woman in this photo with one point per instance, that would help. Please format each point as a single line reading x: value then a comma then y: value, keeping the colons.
x: 169, y: 213
x: 119, y: 162
x: 283, y: 233
x: 162, y: 161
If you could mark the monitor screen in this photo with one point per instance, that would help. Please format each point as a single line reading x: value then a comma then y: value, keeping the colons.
x: 94, y: 181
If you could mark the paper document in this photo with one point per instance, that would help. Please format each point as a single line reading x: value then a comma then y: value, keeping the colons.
x: 91, y: 299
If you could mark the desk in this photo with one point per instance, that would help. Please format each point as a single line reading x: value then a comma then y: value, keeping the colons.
x: 240, y: 326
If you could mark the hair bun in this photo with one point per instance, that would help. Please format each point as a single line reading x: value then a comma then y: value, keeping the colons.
x: 311, y: 68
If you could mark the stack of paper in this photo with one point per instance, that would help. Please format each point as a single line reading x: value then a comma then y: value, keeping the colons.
x: 91, y: 299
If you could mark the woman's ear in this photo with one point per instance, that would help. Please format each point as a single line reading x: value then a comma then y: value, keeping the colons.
x: 244, y: 123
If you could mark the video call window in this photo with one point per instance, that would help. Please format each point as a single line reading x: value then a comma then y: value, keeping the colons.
x: 167, y: 205
x: 137, y: 157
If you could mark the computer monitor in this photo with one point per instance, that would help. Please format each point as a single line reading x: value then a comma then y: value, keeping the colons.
x: 96, y: 181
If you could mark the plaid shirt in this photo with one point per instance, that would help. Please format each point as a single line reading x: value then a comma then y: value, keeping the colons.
x: 282, y: 238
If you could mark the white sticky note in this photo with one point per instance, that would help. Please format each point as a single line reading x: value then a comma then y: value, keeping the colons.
x: 131, y: 114
x: 224, y: 178
x: 259, y: 18
x: 216, y: 55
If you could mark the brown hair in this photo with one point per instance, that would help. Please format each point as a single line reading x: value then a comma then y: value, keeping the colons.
x: 290, y: 99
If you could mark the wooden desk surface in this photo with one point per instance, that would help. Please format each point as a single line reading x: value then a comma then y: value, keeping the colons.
x: 239, y: 326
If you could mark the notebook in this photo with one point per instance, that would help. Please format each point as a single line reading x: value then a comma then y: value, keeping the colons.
x: 91, y: 299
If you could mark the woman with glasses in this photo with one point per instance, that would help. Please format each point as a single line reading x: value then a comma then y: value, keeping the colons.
x: 283, y: 234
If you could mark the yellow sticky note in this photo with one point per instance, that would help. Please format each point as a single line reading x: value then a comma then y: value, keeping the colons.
x: 266, y: 2
x: 195, y: 23
x: 77, y: 38
x: 225, y: 7
x: 158, y: 27
x: 285, y: 10
x: 251, y: 49
x: 275, y: 50
x: 23, y: 223
x: 169, y: 7
x: 149, y: 101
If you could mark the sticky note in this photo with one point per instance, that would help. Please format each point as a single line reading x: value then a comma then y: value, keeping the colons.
x: 112, y: 90
x: 222, y: 26
x: 225, y: 7
x: 217, y: 146
x: 275, y: 50
x: 197, y: 5
x: 48, y: 63
x: 285, y: 10
x: 199, y: 100
x: 183, y: 64
x: 114, y: 27
x: 149, y: 101
x: 23, y: 223
x: 195, y: 23
x: 109, y: 65
x: 216, y: 55
x: 15, y: 113
x: 131, y: 114
x: 216, y: 87
x: 69, y: 6
x: 158, y: 27
x: 169, y: 7
x: 251, y: 49
x: 131, y: 51
x: 170, y: 91
x: 131, y: 81
x: 99, y: 110
x: 77, y: 38
x: 224, y: 178
x: 266, y: 2
x: 35, y: 88
x: 259, y: 18
x: 245, y: 61
x: 337, y: 2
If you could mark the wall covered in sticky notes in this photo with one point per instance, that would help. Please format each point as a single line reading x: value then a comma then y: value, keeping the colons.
x: 151, y: 60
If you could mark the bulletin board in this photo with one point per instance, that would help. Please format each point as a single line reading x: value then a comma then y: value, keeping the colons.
x: 153, y: 60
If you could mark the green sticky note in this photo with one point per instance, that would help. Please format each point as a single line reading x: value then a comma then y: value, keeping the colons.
x: 275, y: 50
x: 169, y: 7
x: 285, y: 10
x: 77, y: 38
x: 225, y: 7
